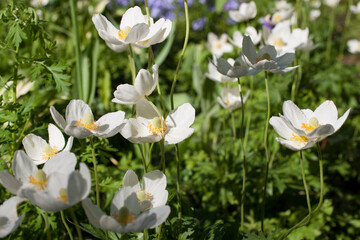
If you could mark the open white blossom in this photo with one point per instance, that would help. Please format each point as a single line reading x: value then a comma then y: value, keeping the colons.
x: 80, y: 121
x: 9, y: 219
x: 125, y: 213
x: 152, y: 192
x: 245, y: 12
x: 230, y: 98
x: 40, y: 150
x: 331, y: 3
x: 218, y: 46
x: 355, y: 9
x: 353, y: 46
x: 251, y: 32
x: 134, y: 29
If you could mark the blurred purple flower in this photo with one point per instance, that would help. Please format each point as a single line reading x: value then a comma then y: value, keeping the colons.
x: 265, y: 23
x: 231, y: 5
x: 199, y: 23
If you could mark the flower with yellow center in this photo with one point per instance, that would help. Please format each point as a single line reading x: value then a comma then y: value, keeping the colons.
x: 148, y: 126
x: 230, y: 98
x: 134, y: 30
x: 39, y: 180
x: 80, y: 121
x: 218, y: 46
x: 41, y: 151
x: 125, y: 213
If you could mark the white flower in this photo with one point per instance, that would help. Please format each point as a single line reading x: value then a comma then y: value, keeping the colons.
x: 245, y: 12
x: 9, y: 219
x: 251, y: 32
x: 332, y: 3
x: 353, y: 46
x: 148, y: 126
x: 282, y: 5
x: 230, y: 98
x: 314, y: 125
x: 80, y: 122
x: 314, y: 14
x: 235, y: 69
x: 355, y: 8
x: 215, y: 75
x: 145, y: 84
x: 279, y: 16
x: 40, y: 151
x: 134, y: 29
x: 125, y: 213
x: 152, y: 192
x: 39, y: 3
x: 218, y: 46
x: 266, y: 59
x: 54, y: 187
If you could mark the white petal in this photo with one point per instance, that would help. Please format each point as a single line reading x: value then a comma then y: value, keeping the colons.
x: 176, y: 135
x: 77, y: 188
x: 110, y: 124
x: 294, y: 145
x: 8, y: 214
x: 126, y: 94
x: 77, y: 131
x: 137, y: 33
x: 105, y: 29
x: 326, y: 113
x: 145, y: 83
x: 294, y: 114
x: 9, y: 182
x: 93, y: 212
x: 137, y: 133
x: 34, y: 146
x: 153, y: 181
x: 63, y: 162
x: 23, y: 167
x: 145, y: 109
x: 131, y: 17
x: 56, y: 138
x: 149, y: 219
x: 125, y: 196
x: 182, y: 117
x: 43, y: 199
x: 75, y: 111
x: 281, y: 127
x: 69, y: 144
x: 341, y: 120
x: 60, y: 120
x: 131, y: 180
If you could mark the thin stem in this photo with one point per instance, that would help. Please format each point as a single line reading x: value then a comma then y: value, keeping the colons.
x: 187, y: 30
x: 329, y: 39
x: 305, y: 184
x: 47, y: 226
x: 347, y: 21
x: 267, y: 152
x: 162, y: 149
x: 145, y: 235
x: 132, y: 64
x: 76, y: 223
x: 178, y: 189
x: 66, y: 226
x: 143, y: 156
x: 321, y: 178
x: 249, y: 114
x: 95, y: 172
x: 233, y: 124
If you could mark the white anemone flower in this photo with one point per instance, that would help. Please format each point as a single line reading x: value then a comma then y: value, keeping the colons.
x: 40, y: 150
x: 134, y: 29
x: 279, y: 16
x: 148, y: 126
x: 317, y: 124
x: 125, y: 213
x: 54, y: 187
x: 355, y: 9
x: 9, y: 219
x: 230, y: 98
x: 332, y: 3
x: 314, y: 14
x: 218, y: 46
x: 245, y: 12
x: 235, y: 69
x: 215, y: 75
x: 353, y: 46
x: 152, y: 192
x: 282, y: 5
x: 39, y: 3
x: 251, y: 32
x: 145, y: 84
x: 80, y: 121
x: 266, y: 59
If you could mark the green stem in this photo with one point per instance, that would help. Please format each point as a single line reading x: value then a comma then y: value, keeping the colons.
x: 305, y: 184
x: 132, y: 64
x: 95, y: 172
x: 145, y: 235
x: 178, y: 189
x: 66, y: 226
x: 347, y: 21
x: 267, y: 152
x: 143, y: 156
x: 187, y: 30
x: 249, y: 114
x: 162, y: 149
x: 321, y: 179
x: 77, y: 49
x: 329, y: 39
x: 76, y: 223
x: 233, y: 124
x: 47, y: 226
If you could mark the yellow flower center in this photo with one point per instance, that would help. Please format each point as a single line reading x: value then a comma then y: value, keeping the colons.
x: 39, y: 180
x: 123, y: 33
x: 124, y: 216
x: 279, y: 42
x: 88, y: 122
x: 266, y: 56
x: 277, y: 17
x: 297, y: 138
x: 143, y: 195
x: 63, y: 195
x: 228, y: 102
x: 217, y: 46
x: 157, y: 126
x: 311, y: 125
x: 48, y: 152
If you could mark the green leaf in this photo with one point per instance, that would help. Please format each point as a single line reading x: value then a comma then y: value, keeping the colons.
x: 15, y: 35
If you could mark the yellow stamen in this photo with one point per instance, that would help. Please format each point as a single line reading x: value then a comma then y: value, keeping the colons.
x: 277, y: 17
x: 228, y: 102
x: 63, y: 195
x: 48, y: 152
x: 298, y: 138
x: 88, y: 122
x: 143, y: 195
x: 124, y: 216
x: 157, y: 126
x: 123, y: 33
x: 266, y: 56
x: 279, y: 42
x: 39, y: 180
x: 313, y: 124
x: 217, y: 46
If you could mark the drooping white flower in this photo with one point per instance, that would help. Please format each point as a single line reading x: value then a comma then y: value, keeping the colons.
x: 9, y: 219
x: 218, y: 46
x: 125, y: 213
x: 80, y: 121
x: 148, y: 126
x: 40, y: 150
x: 331, y: 3
x: 230, y: 98
x: 355, y: 8
x: 152, y: 192
x: 353, y: 46
x: 215, y: 75
x: 266, y: 59
x: 251, y: 32
x: 314, y: 14
x: 134, y: 29
x: 54, y: 187
x: 245, y: 12
x: 145, y: 84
